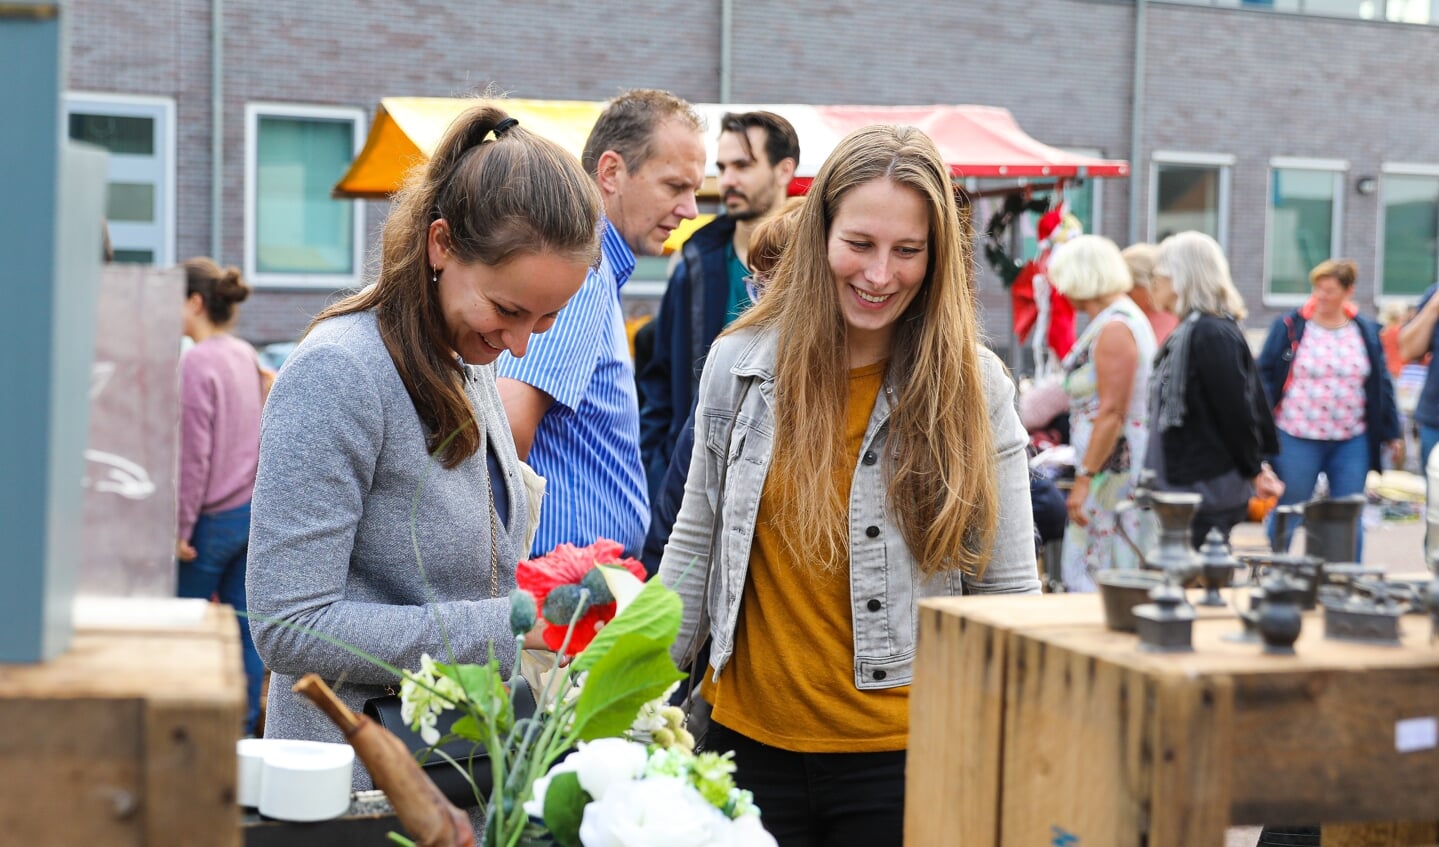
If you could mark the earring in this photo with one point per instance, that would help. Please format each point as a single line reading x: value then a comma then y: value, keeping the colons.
x: 434, y: 276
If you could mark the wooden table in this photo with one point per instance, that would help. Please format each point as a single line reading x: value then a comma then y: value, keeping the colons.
x: 1031, y: 724
x: 128, y: 738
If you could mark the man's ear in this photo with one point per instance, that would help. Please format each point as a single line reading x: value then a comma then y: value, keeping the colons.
x: 610, y: 170
x: 786, y: 168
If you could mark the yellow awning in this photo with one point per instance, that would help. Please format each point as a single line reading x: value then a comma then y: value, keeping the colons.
x: 407, y: 129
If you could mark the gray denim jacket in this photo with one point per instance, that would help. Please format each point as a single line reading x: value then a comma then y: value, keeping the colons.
x: 885, y: 583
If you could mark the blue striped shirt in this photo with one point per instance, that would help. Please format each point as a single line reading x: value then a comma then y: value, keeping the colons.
x: 587, y: 446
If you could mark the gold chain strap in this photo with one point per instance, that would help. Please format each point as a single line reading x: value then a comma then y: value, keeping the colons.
x: 495, y: 528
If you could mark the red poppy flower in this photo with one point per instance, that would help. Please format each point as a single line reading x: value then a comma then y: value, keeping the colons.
x: 567, y: 565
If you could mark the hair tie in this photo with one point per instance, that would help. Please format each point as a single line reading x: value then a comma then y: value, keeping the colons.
x: 504, y: 126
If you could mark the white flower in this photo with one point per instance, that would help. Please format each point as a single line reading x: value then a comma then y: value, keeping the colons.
x: 535, y: 806
x: 424, y: 694
x: 651, y: 718
x: 654, y: 812
x: 624, y: 585
x: 605, y: 762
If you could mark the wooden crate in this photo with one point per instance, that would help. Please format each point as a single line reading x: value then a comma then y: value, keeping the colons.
x: 126, y: 739
x: 1031, y: 724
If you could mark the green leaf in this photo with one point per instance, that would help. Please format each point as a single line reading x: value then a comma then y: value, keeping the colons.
x: 486, y: 690
x: 565, y: 804
x: 655, y: 614
x: 469, y: 729
x: 633, y: 672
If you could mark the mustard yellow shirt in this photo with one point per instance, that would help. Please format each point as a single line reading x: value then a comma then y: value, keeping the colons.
x: 790, y: 683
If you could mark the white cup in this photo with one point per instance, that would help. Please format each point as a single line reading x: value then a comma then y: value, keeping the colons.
x: 305, y: 780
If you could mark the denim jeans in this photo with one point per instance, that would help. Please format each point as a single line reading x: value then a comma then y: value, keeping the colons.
x: 221, y: 541
x: 820, y: 799
x: 1301, y: 460
x: 1428, y: 437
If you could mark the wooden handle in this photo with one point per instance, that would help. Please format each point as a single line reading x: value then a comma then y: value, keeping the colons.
x: 423, y: 811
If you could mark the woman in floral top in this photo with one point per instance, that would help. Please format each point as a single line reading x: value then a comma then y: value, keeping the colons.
x: 1107, y: 379
x: 1324, y: 370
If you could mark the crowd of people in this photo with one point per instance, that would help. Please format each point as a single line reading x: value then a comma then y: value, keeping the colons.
x: 813, y: 415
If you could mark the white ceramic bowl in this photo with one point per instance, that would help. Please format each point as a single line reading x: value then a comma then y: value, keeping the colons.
x: 305, y: 780
x: 251, y: 755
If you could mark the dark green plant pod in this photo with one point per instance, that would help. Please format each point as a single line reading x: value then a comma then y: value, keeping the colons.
x: 561, y: 603
x: 522, y: 612
x: 594, y: 582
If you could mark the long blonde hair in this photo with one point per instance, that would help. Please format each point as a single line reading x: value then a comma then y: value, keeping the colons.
x: 940, y: 462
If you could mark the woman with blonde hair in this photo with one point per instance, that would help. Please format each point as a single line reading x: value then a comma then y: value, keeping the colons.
x: 389, y: 509
x: 856, y: 449
x: 1210, y: 425
x: 1106, y: 375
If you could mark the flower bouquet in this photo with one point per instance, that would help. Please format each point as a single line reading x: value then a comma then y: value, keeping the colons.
x: 604, y: 760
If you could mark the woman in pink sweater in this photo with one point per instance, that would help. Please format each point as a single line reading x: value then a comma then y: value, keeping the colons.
x: 220, y: 399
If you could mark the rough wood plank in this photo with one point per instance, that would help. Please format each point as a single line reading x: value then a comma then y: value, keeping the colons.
x: 1193, y: 735
x: 956, y: 723
x: 1069, y: 777
x: 1320, y: 746
x: 1407, y: 834
x: 69, y: 773
x: 127, y: 738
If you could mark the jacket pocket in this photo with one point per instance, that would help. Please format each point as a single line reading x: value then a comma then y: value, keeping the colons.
x: 888, y: 672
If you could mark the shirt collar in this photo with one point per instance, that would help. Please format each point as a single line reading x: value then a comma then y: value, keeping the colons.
x: 617, y: 254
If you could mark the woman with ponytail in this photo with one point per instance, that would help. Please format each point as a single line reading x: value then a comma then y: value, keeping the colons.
x: 389, y: 510
x: 220, y: 398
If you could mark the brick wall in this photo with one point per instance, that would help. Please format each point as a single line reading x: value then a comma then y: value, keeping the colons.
x: 1251, y: 84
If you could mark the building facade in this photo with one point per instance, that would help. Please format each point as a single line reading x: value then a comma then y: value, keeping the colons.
x: 1292, y: 130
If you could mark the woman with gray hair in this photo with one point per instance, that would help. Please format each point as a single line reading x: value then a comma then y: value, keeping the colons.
x: 1106, y: 375
x: 1209, y: 421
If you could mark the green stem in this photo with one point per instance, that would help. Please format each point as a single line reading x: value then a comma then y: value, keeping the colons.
x: 397, y: 838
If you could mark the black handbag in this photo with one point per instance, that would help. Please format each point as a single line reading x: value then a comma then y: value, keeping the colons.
x: 470, y: 755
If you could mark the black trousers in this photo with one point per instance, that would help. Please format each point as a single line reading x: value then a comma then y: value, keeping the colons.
x: 820, y: 799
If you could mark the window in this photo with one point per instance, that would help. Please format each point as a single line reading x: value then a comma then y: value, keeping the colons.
x: 1189, y: 191
x: 1409, y: 238
x: 139, y: 135
x: 295, y: 233
x: 1303, y: 222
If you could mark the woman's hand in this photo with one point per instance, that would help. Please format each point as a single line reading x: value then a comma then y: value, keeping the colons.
x: 184, y: 551
x: 1077, y: 495
x: 535, y: 639
x: 1267, y: 484
x: 1396, y: 452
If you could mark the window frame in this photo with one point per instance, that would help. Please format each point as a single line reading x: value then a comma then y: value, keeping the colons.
x: 1223, y: 161
x: 253, y: 113
x: 1388, y: 169
x: 1339, y: 169
x: 162, y: 111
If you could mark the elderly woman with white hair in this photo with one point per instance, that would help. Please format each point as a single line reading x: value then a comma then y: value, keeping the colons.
x: 1106, y: 376
x: 1210, y: 422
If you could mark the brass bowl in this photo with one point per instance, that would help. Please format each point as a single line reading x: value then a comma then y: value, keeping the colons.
x: 1122, y: 590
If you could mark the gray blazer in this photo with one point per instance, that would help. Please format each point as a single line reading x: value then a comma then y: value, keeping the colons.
x: 343, y: 465
x: 885, y: 584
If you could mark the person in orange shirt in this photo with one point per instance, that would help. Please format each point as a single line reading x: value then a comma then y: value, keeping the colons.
x: 856, y: 449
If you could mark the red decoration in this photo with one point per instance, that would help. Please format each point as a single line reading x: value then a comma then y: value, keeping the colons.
x: 567, y: 565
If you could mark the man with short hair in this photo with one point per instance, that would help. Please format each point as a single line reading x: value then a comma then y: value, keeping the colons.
x: 757, y: 156
x: 571, y: 400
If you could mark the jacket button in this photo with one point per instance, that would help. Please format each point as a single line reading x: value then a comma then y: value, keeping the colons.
x: 873, y: 605
x: 880, y: 674
x: 872, y: 531
x: 869, y: 457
